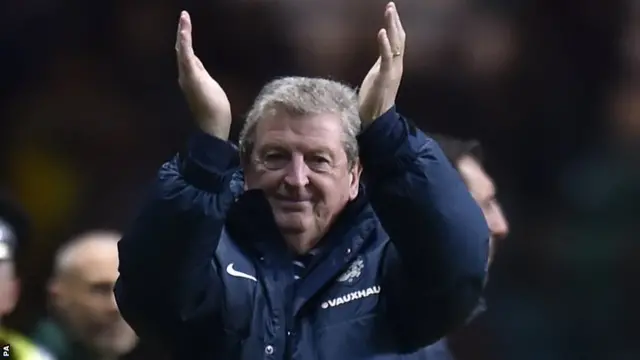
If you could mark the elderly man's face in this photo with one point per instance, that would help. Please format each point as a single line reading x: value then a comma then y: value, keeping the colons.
x: 301, y: 164
x: 483, y: 191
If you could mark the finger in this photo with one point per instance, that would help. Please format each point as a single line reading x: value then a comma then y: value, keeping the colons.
x: 384, y: 47
x: 178, y: 45
x: 400, y: 29
x: 184, y: 42
x: 391, y: 27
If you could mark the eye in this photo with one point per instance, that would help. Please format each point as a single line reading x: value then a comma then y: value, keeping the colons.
x: 274, y: 156
x: 490, y: 206
x: 319, y: 160
x: 275, y: 160
x: 102, y: 288
x: 318, y: 163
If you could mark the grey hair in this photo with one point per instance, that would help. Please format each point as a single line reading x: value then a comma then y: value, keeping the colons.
x: 302, y: 96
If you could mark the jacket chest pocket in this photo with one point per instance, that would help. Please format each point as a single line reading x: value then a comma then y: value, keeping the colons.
x: 238, y: 312
x: 347, y: 306
x: 354, y: 338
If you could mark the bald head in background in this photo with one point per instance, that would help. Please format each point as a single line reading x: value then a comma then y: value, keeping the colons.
x: 466, y: 157
x: 81, y: 293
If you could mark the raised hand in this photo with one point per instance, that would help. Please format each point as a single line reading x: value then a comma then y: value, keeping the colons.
x: 207, y: 101
x: 380, y: 87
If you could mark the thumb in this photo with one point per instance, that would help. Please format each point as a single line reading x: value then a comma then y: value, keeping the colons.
x: 384, y: 47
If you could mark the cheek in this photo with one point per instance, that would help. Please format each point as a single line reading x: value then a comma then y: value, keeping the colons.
x: 492, y: 216
x: 333, y: 191
x: 498, y: 224
x: 84, y: 303
x: 265, y: 180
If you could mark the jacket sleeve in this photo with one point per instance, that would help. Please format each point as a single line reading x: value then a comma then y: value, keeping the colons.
x: 434, y: 270
x: 168, y: 280
x: 439, y: 351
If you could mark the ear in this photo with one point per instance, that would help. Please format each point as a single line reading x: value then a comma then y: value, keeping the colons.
x: 56, y: 289
x: 354, y: 180
x: 53, y: 287
x: 246, y: 169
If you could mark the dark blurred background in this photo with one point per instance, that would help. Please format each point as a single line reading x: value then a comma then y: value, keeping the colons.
x: 90, y: 107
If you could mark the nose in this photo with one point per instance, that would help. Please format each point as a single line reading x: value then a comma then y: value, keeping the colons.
x: 498, y: 224
x: 297, y: 173
x: 111, y: 305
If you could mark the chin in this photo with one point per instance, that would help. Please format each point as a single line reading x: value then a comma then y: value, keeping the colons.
x: 120, y: 346
x: 293, y: 223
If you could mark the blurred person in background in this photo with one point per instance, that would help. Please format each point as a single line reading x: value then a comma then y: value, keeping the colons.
x: 466, y: 157
x: 13, y: 229
x: 85, y: 322
x: 273, y: 250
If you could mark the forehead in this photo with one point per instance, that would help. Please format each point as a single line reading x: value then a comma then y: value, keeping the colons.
x: 302, y: 132
x: 97, y: 261
x: 478, y: 181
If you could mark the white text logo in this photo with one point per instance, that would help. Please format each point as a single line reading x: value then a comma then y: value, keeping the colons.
x: 359, y: 294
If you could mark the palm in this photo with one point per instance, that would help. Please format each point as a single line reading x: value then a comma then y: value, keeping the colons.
x: 207, y: 100
x: 367, y: 96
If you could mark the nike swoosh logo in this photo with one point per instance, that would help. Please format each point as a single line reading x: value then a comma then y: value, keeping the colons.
x: 233, y: 272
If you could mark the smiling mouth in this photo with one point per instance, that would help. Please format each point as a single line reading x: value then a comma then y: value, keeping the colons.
x: 291, y: 204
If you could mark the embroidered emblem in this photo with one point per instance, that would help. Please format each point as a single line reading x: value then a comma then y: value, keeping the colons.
x: 354, y: 271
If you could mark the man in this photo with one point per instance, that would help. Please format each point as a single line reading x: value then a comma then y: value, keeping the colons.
x: 275, y: 251
x: 87, y: 322
x: 13, y: 228
x: 466, y: 157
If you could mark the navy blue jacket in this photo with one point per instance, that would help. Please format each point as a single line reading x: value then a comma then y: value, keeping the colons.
x: 440, y: 350
x: 204, y: 268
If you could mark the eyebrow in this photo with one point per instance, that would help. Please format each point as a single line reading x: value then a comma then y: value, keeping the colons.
x: 315, y: 150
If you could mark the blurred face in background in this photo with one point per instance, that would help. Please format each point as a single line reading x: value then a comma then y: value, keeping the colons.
x: 8, y: 287
x: 630, y: 41
x: 301, y: 164
x: 625, y: 126
x: 483, y: 190
x: 434, y: 26
x: 489, y: 46
x: 8, y: 281
x: 82, y: 296
x: 325, y: 35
